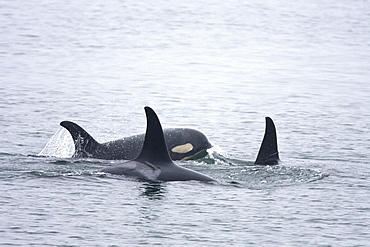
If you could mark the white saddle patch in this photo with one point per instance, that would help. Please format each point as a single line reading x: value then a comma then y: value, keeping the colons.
x: 148, y: 170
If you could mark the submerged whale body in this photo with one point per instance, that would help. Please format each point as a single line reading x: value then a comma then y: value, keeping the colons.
x: 154, y: 162
x: 183, y: 144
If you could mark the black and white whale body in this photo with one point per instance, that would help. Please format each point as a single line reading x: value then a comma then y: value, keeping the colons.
x: 154, y: 162
x: 268, y: 153
x: 183, y: 144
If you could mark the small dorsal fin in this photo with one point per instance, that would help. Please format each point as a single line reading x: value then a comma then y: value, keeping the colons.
x: 154, y: 149
x: 268, y: 153
x: 85, y: 144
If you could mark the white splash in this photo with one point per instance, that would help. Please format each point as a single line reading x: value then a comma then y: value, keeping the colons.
x: 60, y: 145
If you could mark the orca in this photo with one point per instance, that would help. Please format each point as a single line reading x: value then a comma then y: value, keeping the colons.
x: 183, y: 144
x: 268, y: 153
x: 154, y: 162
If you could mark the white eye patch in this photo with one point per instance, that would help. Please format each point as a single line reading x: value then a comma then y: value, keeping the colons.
x: 185, y: 148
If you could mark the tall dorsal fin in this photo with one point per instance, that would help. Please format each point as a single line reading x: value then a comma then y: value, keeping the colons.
x: 154, y: 149
x: 85, y: 144
x: 268, y: 153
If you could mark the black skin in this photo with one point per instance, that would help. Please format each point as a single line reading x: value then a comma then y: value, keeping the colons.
x: 129, y: 148
x: 154, y: 162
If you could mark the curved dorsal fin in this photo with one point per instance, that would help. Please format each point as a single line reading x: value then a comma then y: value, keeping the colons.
x: 85, y: 144
x: 268, y: 153
x: 154, y: 149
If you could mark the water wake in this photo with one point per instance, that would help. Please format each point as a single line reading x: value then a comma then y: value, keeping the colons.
x: 231, y: 170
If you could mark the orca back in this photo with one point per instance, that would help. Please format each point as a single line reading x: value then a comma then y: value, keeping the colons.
x: 154, y: 161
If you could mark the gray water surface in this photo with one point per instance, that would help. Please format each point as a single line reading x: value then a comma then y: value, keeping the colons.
x: 219, y: 67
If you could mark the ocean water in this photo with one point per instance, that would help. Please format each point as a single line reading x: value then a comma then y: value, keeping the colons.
x: 215, y: 66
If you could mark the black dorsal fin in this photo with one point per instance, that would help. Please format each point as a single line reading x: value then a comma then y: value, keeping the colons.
x: 268, y: 153
x: 85, y: 144
x: 154, y: 149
